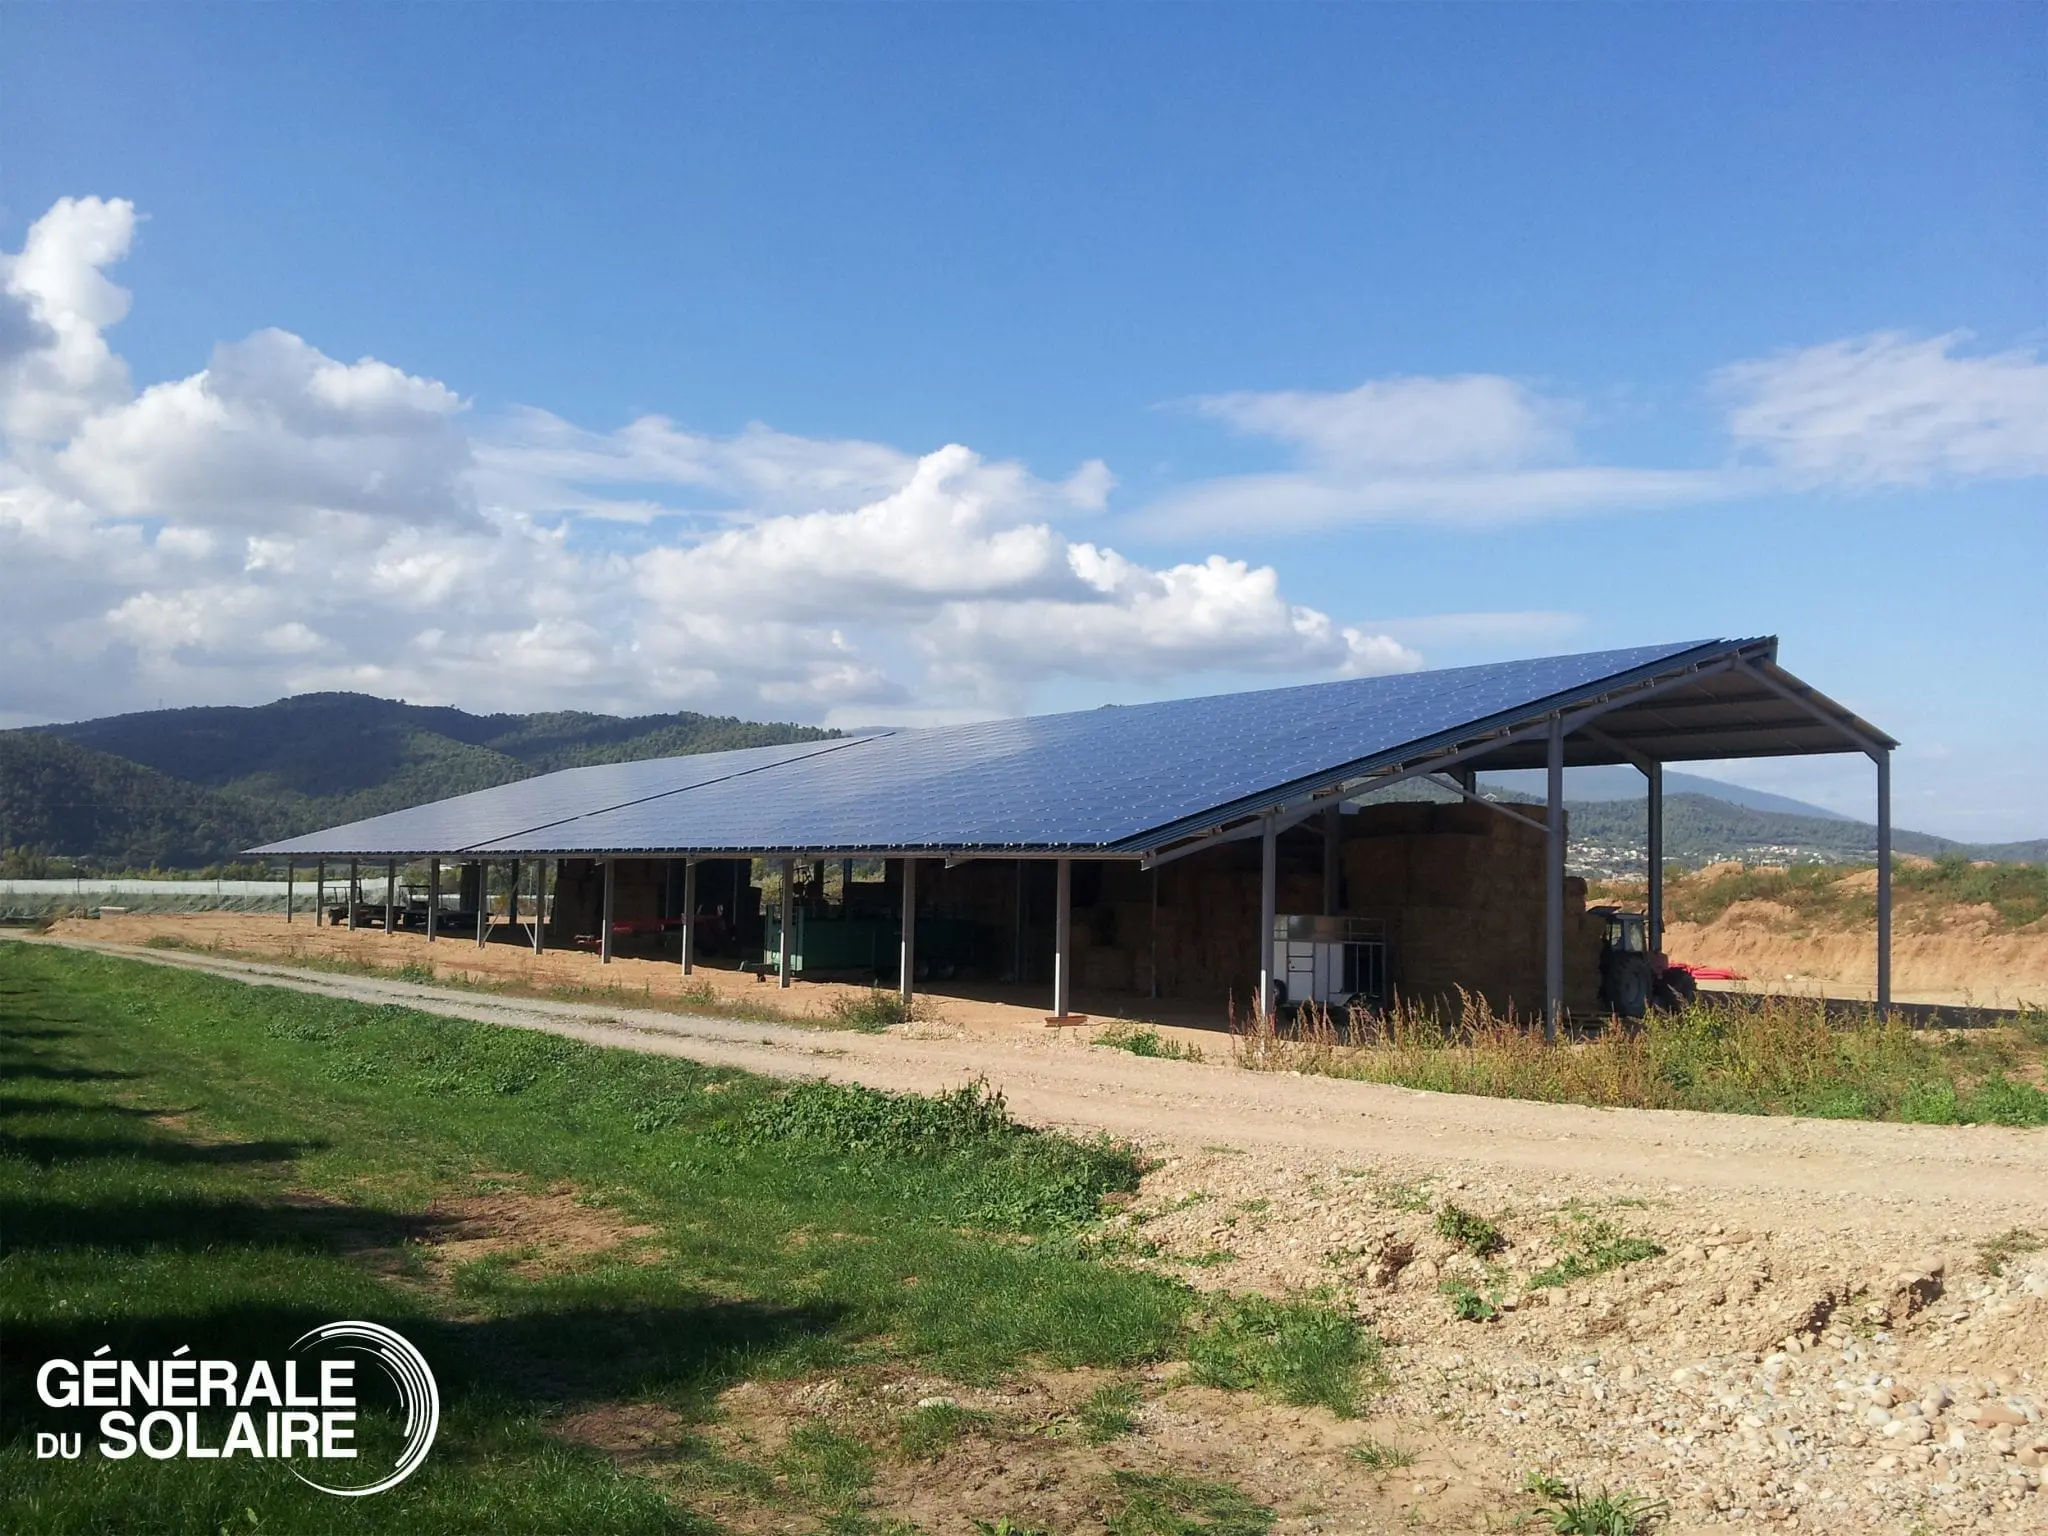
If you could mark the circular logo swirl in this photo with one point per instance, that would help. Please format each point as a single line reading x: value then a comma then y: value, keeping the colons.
x: 410, y: 1375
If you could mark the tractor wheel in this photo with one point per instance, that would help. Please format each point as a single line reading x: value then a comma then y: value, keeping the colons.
x: 1675, y: 990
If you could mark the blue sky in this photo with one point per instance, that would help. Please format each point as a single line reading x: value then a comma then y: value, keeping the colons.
x: 1363, y: 337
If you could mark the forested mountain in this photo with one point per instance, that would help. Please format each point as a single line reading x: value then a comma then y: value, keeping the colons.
x: 183, y: 787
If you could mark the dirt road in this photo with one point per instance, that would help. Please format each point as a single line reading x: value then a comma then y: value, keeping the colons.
x: 1821, y: 1338
x: 1054, y: 1077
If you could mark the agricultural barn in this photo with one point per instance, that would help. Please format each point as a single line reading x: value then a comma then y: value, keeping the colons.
x: 1206, y: 849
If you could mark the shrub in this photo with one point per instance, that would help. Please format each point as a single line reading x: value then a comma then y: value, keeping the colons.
x: 872, y: 1012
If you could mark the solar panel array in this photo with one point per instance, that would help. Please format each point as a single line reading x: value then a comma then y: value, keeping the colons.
x: 1100, y: 779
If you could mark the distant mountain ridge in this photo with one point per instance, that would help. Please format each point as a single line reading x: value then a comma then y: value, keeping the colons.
x: 180, y: 788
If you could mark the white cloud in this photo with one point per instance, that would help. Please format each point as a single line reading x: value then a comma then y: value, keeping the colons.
x: 55, y: 365
x: 274, y: 430
x: 282, y: 521
x: 1472, y: 450
x: 1887, y: 409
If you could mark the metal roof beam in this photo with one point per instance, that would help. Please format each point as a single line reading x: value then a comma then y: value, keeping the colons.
x: 1864, y: 744
x: 1492, y: 805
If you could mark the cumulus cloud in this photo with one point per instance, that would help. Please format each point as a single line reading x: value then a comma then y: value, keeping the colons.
x: 1887, y: 409
x: 55, y: 365
x: 282, y: 521
x: 1474, y: 449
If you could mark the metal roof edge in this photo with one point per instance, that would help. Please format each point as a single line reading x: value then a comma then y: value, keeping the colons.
x: 1152, y: 839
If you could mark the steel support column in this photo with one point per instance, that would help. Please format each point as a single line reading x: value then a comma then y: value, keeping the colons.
x: 483, y: 902
x: 1654, y: 773
x: 1153, y: 991
x: 1884, y: 880
x: 319, y: 892
x: 1063, y: 941
x: 604, y: 937
x: 433, y: 899
x: 1553, y: 884
x: 540, y: 906
x: 906, y: 974
x: 390, y: 895
x: 1269, y: 896
x: 1331, y: 872
x: 1017, y: 931
x: 784, y: 972
x: 512, y: 899
x: 355, y: 891
x: 689, y: 915
x: 290, y: 869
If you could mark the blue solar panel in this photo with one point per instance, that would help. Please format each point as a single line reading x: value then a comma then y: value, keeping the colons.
x: 1097, y: 779
x: 531, y: 805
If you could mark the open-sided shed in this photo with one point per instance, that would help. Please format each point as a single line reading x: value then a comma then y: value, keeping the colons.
x: 1152, y: 784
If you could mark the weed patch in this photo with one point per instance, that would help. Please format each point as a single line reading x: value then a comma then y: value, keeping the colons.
x: 1468, y: 1305
x: 872, y: 1012
x: 1995, y: 1253
x: 927, y: 1432
x: 1300, y: 1351
x: 1015, y: 1179
x: 1160, y: 1504
x: 1776, y: 1056
x: 1475, y: 1234
x: 1144, y: 1040
x: 1568, y: 1512
x: 1109, y: 1412
x: 1380, y: 1456
x: 1593, y: 1245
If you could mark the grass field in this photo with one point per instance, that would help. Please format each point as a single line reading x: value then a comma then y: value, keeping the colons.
x: 191, y: 1161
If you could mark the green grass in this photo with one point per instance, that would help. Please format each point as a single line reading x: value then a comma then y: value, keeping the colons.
x: 1161, y: 1504
x: 926, y: 1433
x: 190, y: 1160
x: 1109, y: 1412
x: 1144, y: 1040
x: 1380, y: 1456
x: 1300, y: 1351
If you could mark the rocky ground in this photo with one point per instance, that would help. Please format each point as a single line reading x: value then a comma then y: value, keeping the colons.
x: 1799, y: 1374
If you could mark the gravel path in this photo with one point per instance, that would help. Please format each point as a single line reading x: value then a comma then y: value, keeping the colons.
x: 1820, y: 1341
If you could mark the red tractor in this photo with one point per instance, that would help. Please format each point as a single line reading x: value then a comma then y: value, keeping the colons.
x: 1633, y: 977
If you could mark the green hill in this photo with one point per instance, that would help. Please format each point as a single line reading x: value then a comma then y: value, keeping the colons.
x: 57, y: 797
x: 186, y: 787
